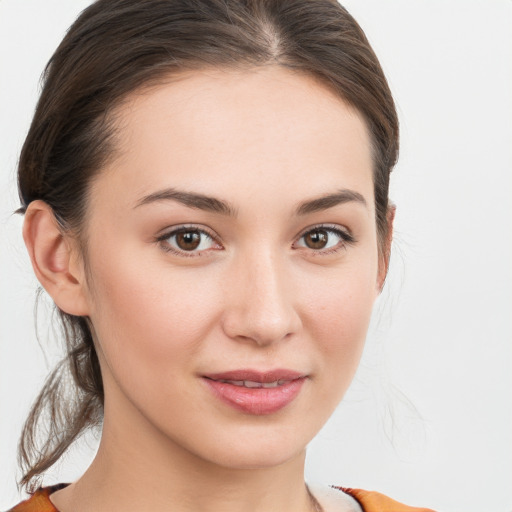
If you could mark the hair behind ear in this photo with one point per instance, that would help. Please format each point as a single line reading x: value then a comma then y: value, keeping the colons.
x: 385, y: 249
x: 61, y: 413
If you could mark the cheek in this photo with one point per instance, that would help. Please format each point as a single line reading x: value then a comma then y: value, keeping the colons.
x: 149, y: 313
x: 341, y: 327
x: 338, y: 317
x: 341, y: 302
x: 347, y: 315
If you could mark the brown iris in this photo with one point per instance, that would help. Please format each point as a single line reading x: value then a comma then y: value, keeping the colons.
x: 316, y: 239
x: 188, y: 240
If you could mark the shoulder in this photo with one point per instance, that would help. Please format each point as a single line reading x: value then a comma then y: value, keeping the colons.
x: 372, y: 501
x: 39, y: 501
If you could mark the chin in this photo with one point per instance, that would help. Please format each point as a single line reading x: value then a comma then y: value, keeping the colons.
x: 259, y: 459
x: 257, y: 451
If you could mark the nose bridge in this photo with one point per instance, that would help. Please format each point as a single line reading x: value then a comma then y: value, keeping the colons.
x: 261, y: 307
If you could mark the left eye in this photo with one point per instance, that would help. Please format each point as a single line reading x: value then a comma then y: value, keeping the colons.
x: 189, y: 240
x: 323, y: 238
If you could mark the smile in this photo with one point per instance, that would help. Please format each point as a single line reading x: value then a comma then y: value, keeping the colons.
x: 256, y: 393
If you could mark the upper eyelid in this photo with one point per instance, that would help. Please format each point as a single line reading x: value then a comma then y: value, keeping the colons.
x: 326, y: 226
x: 171, y: 230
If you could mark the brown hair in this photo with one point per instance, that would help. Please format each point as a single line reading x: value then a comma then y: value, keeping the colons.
x: 118, y: 46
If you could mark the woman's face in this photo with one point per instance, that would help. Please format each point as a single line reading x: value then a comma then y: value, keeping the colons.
x: 233, y: 263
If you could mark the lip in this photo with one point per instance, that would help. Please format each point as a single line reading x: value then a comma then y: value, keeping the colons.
x: 259, y: 400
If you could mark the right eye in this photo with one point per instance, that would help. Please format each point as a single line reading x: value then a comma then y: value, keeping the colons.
x: 188, y: 241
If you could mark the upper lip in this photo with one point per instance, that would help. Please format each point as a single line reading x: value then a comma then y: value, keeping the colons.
x: 257, y: 376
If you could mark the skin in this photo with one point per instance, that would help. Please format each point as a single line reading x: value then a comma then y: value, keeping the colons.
x: 255, y: 296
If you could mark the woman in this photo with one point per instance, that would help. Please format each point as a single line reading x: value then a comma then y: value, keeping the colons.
x: 205, y: 190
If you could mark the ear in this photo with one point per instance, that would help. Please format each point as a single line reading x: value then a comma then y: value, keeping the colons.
x: 386, y: 249
x: 55, y: 259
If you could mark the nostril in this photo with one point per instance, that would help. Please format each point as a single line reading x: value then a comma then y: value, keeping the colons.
x: 262, y: 330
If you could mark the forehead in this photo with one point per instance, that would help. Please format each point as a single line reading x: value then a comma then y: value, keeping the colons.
x: 244, y: 129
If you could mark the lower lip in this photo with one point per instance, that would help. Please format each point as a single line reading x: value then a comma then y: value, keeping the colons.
x: 257, y: 401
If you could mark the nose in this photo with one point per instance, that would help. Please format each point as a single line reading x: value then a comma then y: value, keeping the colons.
x: 259, y: 304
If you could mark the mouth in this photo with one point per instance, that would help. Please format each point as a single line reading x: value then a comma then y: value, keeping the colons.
x: 254, y: 392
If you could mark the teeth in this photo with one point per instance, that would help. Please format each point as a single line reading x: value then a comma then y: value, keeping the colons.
x: 252, y: 384
x: 234, y: 382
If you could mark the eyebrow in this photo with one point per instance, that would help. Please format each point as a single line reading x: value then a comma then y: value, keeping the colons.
x: 212, y: 204
x: 190, y: 199
x: 329, y: 201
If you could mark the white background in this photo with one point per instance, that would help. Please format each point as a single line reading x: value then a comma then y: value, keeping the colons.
x: 442, y: 334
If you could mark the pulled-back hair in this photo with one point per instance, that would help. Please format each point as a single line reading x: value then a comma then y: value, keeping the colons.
x: 118, y: 46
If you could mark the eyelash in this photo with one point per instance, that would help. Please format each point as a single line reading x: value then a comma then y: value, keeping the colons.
x: 346, y: 239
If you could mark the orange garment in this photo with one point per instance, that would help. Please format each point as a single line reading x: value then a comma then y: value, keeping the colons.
x: 39, y: 501
x: 370, y: 501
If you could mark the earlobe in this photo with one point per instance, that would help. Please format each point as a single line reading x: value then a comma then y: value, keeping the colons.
x: 53, y: 259
x: 386, y: 249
